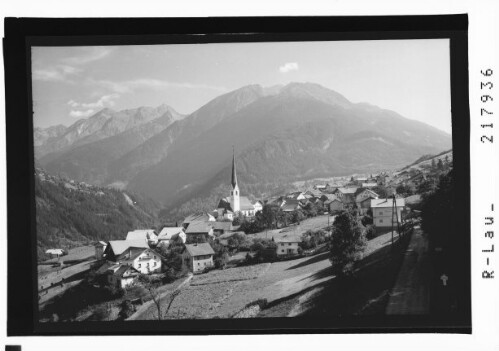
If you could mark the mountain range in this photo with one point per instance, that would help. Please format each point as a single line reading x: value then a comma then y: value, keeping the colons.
x: 281, y: 134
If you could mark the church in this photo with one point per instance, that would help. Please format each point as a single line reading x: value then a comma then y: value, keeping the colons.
x: 229, y: 207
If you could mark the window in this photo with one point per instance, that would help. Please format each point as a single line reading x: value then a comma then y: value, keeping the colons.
x: 381, y: 221
x: 289, y: 244
x: 380, y: 213
x: 139, y: 265
x: 282, y: 250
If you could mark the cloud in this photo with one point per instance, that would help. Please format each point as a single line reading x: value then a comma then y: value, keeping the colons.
x: 289, y: 66
x: 88, y: 54
x: 58, y: 73
x: 104, y: 101
x: 81, y: 114
x: 130, y: 86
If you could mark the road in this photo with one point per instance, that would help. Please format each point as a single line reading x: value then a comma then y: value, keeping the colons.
x: 411, y: 292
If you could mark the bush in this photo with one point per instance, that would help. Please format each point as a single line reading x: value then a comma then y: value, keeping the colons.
x: 127, y: 309
x: 370, y: 232
x: 101, y: 313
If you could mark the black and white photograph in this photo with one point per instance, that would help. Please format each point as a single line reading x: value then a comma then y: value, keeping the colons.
x: 244, y: 180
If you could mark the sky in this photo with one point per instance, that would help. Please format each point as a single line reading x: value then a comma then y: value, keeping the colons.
x: 411, y: 77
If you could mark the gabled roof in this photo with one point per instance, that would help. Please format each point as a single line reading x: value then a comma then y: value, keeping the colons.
x: 100, y: 243
x: 199, y: 227
x: 131, y: 253
x: 198, y: 217
x: 363, y: 190
x: 141, y: 234
x: 122, y: 269
x: 222, y: 226
x: 387, y: 202
x: 168, y: 232
x: 119, y: 246
x: 199, y: 249
x: 245, y: 204
x: 350, y: 190
x: 55, y: 251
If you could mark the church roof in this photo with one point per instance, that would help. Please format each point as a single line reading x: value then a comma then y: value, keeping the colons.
x: 244, y: 203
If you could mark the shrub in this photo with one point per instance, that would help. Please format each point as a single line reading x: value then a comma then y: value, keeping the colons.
x: 127, y: 309
x: 370, y: 232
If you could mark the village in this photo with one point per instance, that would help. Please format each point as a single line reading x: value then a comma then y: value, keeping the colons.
x: 239, y: 241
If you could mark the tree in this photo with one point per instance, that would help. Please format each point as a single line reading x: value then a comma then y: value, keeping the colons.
x: 347, y: 243
x: 403, y: 189
x: 440, y: 165
x: 297, y: 216
x: 446, y: 159
x: 221, y: 255
x: 433, y: 165
x: 152, y: 287
x: 381, y: 191
x: 127, y: 309
x: 370, y: 232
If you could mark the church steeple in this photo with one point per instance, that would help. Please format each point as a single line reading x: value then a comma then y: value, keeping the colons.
x: 234, y: 175
x: 234, y: 194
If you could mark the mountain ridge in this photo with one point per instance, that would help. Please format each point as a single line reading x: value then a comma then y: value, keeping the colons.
x: 281, y: 133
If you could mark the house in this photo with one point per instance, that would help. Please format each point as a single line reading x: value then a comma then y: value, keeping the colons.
x: 197, y: 217
x: 347, y: 195
x: 223, y: 227
x: 297, y: 195
x: 383, y: 211
x: 115, y: 248
x: 56, y: 252
x: 369, y: 185
x: 199, y: 231
x: 168, y: 233
x: 121, y: 275
x: 99, y: 247
x: 258, y: 205
x: 361, y: 194
x: 146, y: 261
x: 198, y: 257
x: 287, y: 245
x: 148, y: 235
x: 290, y: 205
x: 334, y: 205
x: 235, y: 202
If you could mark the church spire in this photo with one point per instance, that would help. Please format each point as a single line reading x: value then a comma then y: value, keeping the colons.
x: 234, y: 175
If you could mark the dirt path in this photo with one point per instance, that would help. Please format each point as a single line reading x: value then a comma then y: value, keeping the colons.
x: 411, y: 293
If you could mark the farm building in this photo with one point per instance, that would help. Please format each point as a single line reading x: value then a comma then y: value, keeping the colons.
x: 147, y: 235
x: 117, y: 247
x: 198, y: 257
x: 121, y: 276
x: 199, y: 231
x: 99, y: 246
x: 287, y: 245
x: 168, y: 233
x: 146, y: 261
x: 383, y: 211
